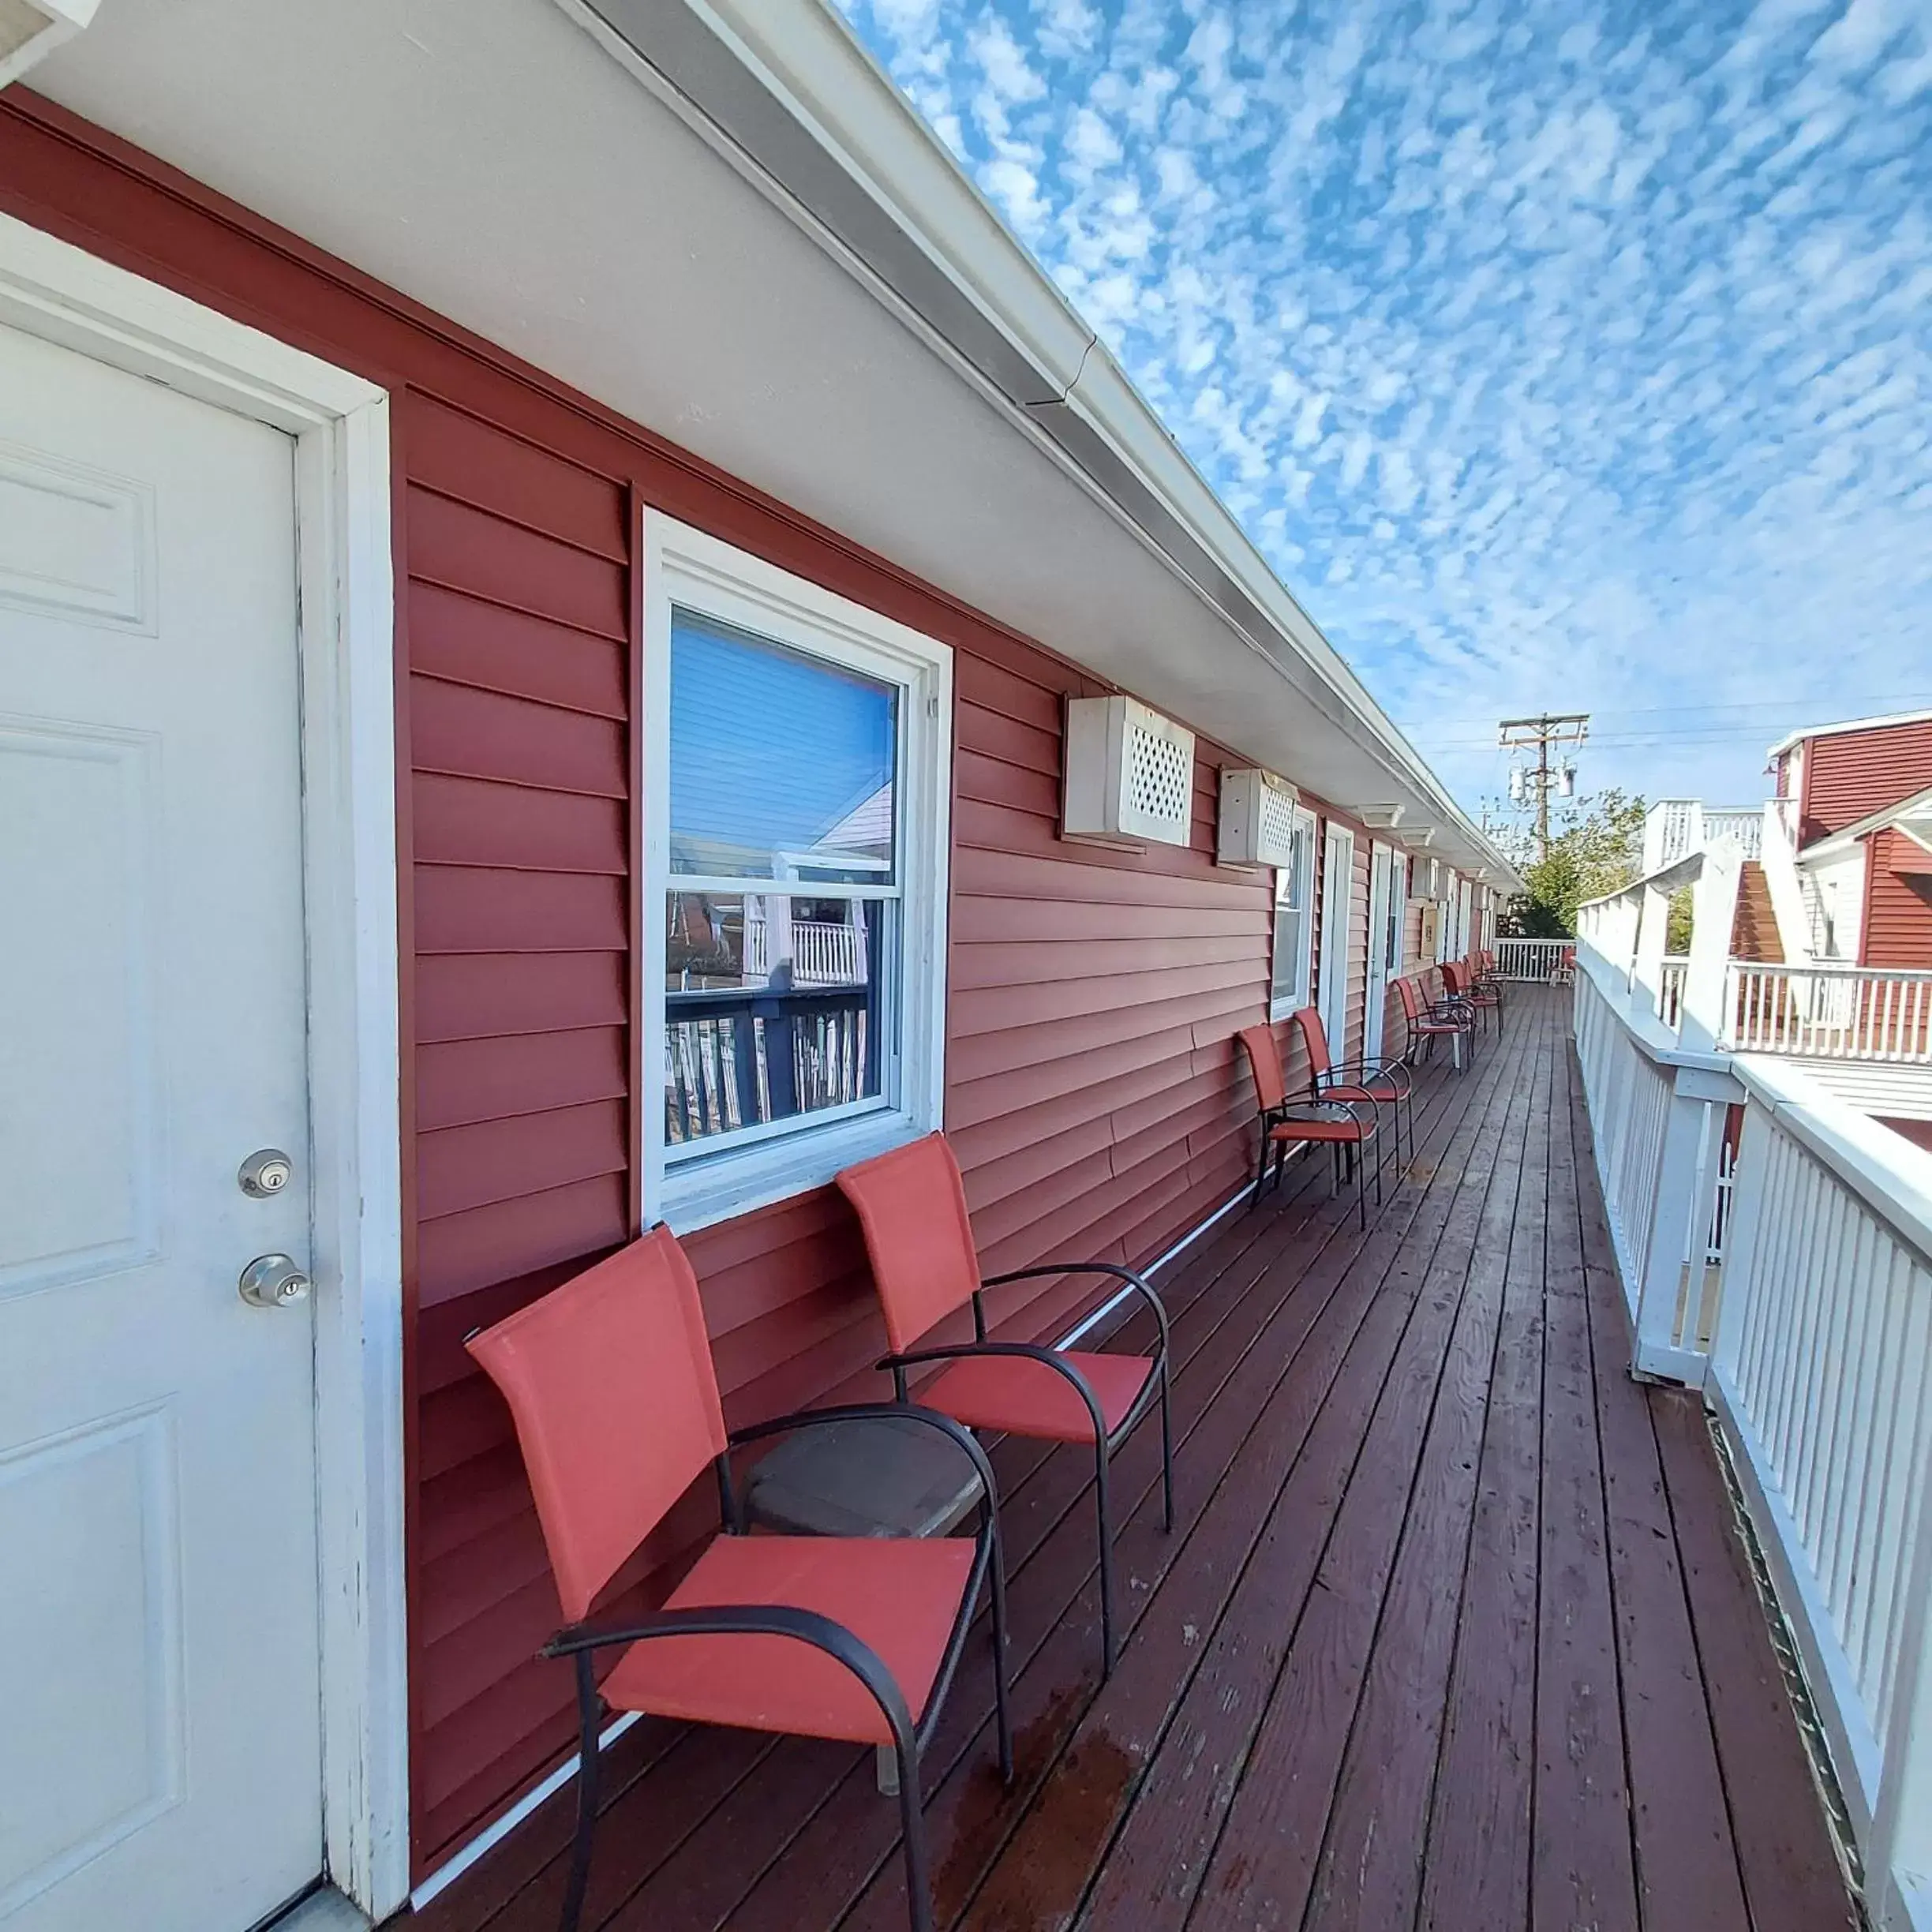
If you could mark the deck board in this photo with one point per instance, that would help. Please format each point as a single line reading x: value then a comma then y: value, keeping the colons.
x: 1453, y: 1629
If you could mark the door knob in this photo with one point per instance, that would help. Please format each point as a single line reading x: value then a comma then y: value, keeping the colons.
x: 273, y: 1281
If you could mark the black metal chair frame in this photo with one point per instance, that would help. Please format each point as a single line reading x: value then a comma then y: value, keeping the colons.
x: 1365, y: 1074
x: 1104, y: 1444
x: 1448, y: 1010
x: 581, y: 1642
x: 1345, y: 1162
x: 1485, y: 995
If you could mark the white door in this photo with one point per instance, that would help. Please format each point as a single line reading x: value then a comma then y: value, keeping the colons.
x: 160, y: 1746
x: 1338, y: 869
x: 1382, y: 917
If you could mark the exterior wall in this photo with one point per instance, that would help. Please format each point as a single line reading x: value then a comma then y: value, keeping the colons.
x: 1094, y: 1090
x: 1896, y: 928
x: 1837, y: 885
x: 1847, y: 775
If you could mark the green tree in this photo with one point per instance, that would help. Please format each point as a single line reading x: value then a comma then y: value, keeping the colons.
x: 1595, y: 846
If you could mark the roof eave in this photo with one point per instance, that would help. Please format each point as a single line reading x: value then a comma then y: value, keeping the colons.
x: 790, y: 93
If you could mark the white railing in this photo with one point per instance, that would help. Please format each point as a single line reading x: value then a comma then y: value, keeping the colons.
x: 1746, y: 827
x: 823, y: 953
x: 1675, y: 828
x: 1529, y: 959
x: 1670, y: 989
x: 1834, y: 1012
x: 1670, y: 832
x: 1775, y: 1250
x: 1821, y: 1374
x: 1658, y: 1117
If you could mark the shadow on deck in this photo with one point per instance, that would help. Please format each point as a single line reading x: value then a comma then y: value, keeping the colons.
x: 1454, y: 1630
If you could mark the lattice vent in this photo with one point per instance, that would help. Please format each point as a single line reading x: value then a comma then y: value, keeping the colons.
x: 1130, y: 774
x: 1257, y: 819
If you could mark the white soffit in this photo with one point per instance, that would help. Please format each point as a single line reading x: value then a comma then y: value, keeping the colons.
x: 494, y: 161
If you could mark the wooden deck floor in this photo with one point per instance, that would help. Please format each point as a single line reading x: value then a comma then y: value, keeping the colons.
x: 1453, y: 1631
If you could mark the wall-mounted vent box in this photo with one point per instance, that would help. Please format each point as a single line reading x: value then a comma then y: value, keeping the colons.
x: 1257, y: 819
x: 1130, y: 775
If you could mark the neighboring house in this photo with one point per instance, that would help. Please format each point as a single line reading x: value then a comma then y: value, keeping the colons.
x: 404, y: 410
x: 1831, y: 933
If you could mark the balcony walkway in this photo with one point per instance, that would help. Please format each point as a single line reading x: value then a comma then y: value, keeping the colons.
x: 1453, y: 1631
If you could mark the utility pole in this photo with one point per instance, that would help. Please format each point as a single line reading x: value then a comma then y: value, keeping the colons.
x: 1515, y: 734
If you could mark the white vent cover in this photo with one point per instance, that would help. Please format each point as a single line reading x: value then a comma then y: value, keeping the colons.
x: 1425, y: 879
x: 1257, y: 819
x: 1130, y: 774
x: 30, y: 30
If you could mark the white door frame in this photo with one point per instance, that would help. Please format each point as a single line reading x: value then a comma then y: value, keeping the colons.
x: 1374, y: 994
x: 1334, y: 1007
x: 346, y: 628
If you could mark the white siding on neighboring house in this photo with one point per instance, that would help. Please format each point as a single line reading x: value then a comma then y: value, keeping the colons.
x: 1834, y: 897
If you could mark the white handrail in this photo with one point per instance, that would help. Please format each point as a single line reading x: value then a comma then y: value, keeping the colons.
x: 1791, y: 1279
x: 1821, y: 1377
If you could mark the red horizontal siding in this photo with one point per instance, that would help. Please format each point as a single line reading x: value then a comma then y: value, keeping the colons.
x: 1896, y: 930
x: 1099, y: 1103
x: 1849, y: 775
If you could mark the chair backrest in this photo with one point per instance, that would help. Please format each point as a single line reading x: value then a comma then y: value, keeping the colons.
x: 911, y: 1204
x: 1264, y: 1062
x: 1452, y: 976
x: 1314, y: 1038
x: 610, y: 1382
x: 1411, y: 999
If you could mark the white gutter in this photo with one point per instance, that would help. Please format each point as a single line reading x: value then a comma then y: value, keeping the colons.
x: 787, y: 94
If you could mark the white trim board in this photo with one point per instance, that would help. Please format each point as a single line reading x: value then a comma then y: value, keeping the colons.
x: 340, y: 424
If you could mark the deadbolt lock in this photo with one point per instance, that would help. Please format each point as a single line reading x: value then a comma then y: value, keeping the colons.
x: 273, y: 1281
x: 264, y: 1173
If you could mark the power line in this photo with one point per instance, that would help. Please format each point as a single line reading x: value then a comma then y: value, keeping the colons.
x: 1907, y: 699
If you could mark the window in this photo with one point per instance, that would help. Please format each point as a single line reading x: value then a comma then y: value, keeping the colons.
x: 1294, y: 898
x: 798, y: 776
x: 1394, y: 913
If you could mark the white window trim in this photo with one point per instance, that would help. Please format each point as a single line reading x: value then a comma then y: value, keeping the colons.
x: 685, y: 567
x: 1280, y: 1006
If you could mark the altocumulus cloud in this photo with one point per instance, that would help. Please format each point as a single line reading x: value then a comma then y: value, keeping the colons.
x: 1554, y: 354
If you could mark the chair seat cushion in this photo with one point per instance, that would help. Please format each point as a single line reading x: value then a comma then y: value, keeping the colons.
x: 900, y: 1596
x: 1023, y: 1398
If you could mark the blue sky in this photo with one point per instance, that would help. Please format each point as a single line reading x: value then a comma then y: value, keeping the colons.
x: 1555, y: 355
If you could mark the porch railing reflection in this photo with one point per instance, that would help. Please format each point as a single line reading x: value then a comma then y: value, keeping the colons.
x: 737, y: 1058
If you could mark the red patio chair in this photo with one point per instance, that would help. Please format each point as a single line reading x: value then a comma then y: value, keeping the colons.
x: 1373, y: 1083
x: 911, y: 1204
x: 1331, y: 1120
x: 1480, y: 996
x: 610, y: 1382
x: 1429, y: 1022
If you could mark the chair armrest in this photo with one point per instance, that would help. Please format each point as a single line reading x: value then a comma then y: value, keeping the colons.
x: 883, y: 1412
x: 1137, y: 1282
x: 1030, y: 1351
x: 1375, y: 1070
x: 806, y: 1627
